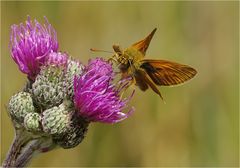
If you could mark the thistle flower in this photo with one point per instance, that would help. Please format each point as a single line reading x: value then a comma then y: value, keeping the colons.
x: 100, y: 66
x: 57, y: 59
x: 30, y: 44
x: 75, y: 133
x: 20, y: 105
x: 61, y: 97
x: 96, y: 98
x: 32, y: 122
x: 74, y: 68
x: 48, y: 88
x: 57, y: 120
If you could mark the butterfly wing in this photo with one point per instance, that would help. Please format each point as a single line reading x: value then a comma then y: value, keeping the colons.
x: 143, y: 81
x: 140, y: 81
x: 142, y: 45
x: 167, y: 73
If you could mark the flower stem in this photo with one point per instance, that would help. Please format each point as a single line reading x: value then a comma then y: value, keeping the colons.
x: 25, y: 145
x: 20, y: 140
x: 28, y: 153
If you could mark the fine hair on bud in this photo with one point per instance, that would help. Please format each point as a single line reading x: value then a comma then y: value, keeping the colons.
x: 20, y: 105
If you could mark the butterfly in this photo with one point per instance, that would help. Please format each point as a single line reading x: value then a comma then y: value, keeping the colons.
x: 149, y: 73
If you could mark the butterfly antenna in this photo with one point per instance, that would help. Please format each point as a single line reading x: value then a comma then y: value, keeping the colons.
x: 97, y: 50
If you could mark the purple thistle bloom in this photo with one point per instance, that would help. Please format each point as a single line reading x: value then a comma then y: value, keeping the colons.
x: 57, y: 58
x: 96, y: 98
x: 30, y: 44
x: 101, y: 66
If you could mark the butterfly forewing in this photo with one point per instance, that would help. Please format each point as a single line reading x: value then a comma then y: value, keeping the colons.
x: 167, y: 73
x: 142, y: 45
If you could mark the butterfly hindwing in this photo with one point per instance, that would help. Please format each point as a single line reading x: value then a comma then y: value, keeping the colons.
x: 144, y: 81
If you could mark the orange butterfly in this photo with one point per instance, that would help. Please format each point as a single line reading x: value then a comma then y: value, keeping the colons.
x: 147, y: 73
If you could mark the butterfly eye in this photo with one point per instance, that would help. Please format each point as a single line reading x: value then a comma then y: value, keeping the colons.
x: 117, y: 49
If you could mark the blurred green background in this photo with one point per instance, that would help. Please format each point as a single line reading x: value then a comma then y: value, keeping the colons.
x: 198, y: 125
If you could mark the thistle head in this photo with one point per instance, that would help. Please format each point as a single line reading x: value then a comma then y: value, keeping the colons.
x: 20, y: 105
x: 30, y: 44
x: 57, y: 59
x: 62, y: 96
x: 75, y: 133
x: 48, y: 88
x: 95, y: 97
x: 100, y: 66
x: 32, y: 122
x: 74, y: 68
x: 57, y: 120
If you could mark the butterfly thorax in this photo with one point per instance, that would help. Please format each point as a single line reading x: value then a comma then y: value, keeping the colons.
x: 130, y: 57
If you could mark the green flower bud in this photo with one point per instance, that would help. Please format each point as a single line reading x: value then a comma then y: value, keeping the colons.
x: 32, y: 122
x: 20, y: 105
x: 74, y: 135
x: 74, y: 68
x: 57, y: 120
x: 48, y: 89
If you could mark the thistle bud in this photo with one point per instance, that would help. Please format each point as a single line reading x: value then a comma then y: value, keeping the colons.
x: 74, y: 134
x: 57, y: 120
x: 74, y: 68
x: 48, y: 89
x: 20, y: 105
x: 32, y: 122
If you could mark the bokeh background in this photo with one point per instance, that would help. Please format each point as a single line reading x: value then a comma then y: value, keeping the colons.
x: 198, y: 125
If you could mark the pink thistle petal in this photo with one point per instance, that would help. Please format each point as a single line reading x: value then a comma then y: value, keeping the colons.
x: 30, y: 44
x: 96, y: 98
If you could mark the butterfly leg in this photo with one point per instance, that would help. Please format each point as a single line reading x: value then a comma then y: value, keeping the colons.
x: 113, y: 59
